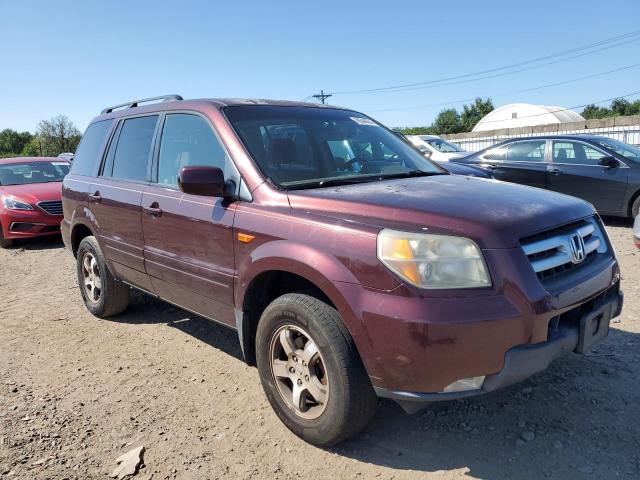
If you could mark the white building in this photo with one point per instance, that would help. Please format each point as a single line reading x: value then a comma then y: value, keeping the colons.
x: 525, y: 115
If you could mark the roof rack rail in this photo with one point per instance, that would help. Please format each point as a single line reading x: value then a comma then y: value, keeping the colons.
x: 134, y: 103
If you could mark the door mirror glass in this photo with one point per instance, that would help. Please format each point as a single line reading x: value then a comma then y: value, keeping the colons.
x: 202, y: 180
x: 608, y: 162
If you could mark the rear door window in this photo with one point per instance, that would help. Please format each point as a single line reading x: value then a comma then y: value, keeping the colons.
x: 87, y: 155
x: 133, y: 149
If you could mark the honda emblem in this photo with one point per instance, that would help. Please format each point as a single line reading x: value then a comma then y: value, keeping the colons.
x: 576, y: 247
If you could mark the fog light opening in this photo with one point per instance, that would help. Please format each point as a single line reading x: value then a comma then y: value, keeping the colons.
x: 465, y: 384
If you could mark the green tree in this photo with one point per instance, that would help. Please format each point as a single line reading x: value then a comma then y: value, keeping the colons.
x: 619, y: 106
x: 13, y: 142
x: 474, y: 112
x: 57, y: 135
x: 447, y: 121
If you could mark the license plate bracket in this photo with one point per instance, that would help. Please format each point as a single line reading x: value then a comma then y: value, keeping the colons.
x: 594, y: 326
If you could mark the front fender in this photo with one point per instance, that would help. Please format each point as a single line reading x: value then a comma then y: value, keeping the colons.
x: 317, y: 267
x: 324, y: 271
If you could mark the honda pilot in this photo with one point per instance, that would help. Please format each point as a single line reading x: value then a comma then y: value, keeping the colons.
x: 350, y: 266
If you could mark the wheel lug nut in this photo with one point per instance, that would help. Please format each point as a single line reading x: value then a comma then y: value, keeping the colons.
x: 292, y: 370
x: 299, y: 381
x: 306, y: 377
x: 295, y: 359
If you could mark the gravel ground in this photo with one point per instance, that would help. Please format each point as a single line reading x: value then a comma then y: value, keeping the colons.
x: 77, y: 392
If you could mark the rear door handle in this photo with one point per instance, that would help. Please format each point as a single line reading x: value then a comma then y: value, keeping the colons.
x: 153, y: 210
x: 95, y: 197
x: 489, y: 166
x: 554, y: 170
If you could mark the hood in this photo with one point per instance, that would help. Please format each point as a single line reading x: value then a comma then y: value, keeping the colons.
x: 34, y: 192
x: 494, y: 214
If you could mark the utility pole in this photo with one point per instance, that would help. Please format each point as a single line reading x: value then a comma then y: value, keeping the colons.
x: 322, y: 96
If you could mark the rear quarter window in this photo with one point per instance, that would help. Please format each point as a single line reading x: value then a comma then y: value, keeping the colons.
x: 87, y: 155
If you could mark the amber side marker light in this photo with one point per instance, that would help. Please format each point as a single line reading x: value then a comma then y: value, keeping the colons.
x: 245, y: 237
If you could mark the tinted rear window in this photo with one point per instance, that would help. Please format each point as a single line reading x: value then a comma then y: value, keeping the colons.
x: 131, y: 159
x: 86, y: 159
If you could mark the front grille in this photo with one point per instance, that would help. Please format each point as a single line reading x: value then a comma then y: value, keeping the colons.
x: 52, y: 207
x: 560, y: 250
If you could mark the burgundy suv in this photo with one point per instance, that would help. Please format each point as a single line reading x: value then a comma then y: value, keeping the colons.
x: 351, y: 266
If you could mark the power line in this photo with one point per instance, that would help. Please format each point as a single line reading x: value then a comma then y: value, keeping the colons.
x: 616, y: 41
x: 496, y: 75
x: 540, y: 87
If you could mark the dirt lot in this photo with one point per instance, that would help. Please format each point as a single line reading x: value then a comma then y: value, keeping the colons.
x: 77, y: 392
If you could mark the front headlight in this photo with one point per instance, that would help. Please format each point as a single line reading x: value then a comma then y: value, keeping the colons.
x: 433, y: 261
x: 13, y: 204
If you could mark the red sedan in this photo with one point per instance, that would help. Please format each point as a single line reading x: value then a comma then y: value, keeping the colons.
x: 30, y: 203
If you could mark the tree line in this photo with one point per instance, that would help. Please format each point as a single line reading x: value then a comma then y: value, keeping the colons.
x: 53, y: 137
x: 450, y: 120
x: 618, y: 107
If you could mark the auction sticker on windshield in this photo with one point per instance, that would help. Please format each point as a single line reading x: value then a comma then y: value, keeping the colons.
x: 364, y: 121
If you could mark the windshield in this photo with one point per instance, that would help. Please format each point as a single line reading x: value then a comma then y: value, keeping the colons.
x: 32, y: 172
x: 443, y: 146
x: 303, y: 147
x: 621, y: 148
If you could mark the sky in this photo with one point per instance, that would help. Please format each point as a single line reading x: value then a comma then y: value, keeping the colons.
x: 77, y: 57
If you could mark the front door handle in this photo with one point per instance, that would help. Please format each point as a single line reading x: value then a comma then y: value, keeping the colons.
x: 154, y: 210
x: 554, y: 170
x: 95, y: 197
x: 490, y: 166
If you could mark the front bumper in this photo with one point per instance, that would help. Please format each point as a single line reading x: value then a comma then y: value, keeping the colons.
x: 28, y: 224
x: 574, y: 331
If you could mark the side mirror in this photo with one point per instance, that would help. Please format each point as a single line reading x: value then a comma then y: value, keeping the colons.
x: 205, y: 181
x: 609, y: 162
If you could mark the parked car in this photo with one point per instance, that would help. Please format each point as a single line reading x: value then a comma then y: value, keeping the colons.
x: 30, y: 190
x: 600, y: 170
x: 451, y: 167
x: 346, y: 278
x: 636, y: 231
x: 437, y: 148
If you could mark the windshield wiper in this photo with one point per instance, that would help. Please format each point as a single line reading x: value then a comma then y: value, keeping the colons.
x: 411, y: 174
x: 333, y: 182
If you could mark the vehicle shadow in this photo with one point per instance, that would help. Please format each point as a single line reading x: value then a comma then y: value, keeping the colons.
x: 39, y: 243
x: 145, y: 309
x: 618, y: 222
x: 574, y: 411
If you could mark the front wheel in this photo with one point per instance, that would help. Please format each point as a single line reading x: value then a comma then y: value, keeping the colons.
x: 635, y: 208
x: 4, y: 242
x: 102, y: 294
x: 311, y: 372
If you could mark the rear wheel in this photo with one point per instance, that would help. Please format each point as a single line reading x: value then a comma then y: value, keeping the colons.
x: 102, y: 294
x: 311, y: 372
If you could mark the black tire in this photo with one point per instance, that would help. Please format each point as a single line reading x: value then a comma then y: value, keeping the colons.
x: 5, y: 242
x: 635, y: 207
x: 112, y: 296
x: 351, y: 401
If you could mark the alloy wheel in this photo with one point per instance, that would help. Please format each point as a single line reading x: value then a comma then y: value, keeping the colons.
x: 92, y: 283
x: 299, y: 371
